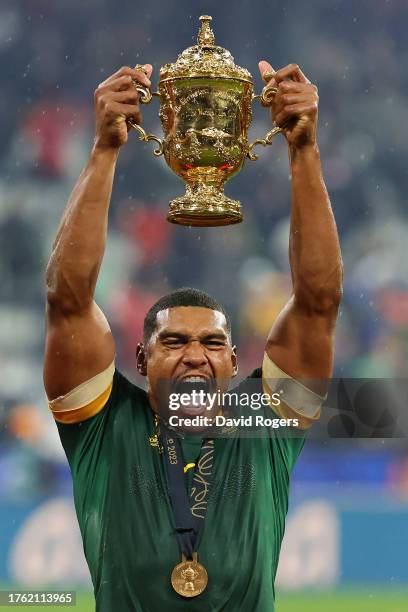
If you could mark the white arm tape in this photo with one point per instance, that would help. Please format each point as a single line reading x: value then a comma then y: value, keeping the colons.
x: 292, y: 392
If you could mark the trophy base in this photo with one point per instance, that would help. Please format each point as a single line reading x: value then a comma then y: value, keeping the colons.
x: 204, y: 206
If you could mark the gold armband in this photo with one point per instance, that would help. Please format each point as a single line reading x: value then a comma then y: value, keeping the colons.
x: 86, y: 400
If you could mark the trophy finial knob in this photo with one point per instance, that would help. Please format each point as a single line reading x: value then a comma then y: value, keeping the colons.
x: 206, y: 35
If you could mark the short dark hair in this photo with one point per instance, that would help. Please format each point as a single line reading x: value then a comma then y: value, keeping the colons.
x: 185, y: 296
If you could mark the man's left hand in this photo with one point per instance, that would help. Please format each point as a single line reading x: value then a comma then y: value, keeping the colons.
x: 295, y: 107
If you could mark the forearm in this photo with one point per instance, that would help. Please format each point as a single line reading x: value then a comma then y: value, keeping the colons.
x: 80, y: 242
x: 314, y: 247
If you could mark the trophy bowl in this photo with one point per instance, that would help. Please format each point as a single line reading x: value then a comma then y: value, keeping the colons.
x: 205, y: 111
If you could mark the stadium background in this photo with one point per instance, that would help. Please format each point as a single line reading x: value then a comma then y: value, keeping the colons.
x: 347, y: 532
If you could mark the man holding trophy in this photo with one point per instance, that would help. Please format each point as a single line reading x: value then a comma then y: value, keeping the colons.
x: 170, y: 520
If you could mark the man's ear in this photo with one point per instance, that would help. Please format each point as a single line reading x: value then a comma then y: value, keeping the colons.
x: 141, y: 363
x: 234, y: 361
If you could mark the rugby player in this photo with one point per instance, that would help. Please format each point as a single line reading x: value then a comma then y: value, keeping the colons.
x: 114, y: 439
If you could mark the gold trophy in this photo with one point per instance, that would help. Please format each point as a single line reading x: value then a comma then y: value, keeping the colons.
x: 205, y: 111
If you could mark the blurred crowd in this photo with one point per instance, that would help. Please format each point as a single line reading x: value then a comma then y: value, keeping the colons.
x: 52, y: 57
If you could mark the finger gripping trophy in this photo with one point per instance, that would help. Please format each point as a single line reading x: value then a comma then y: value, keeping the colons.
x: 205, y: 111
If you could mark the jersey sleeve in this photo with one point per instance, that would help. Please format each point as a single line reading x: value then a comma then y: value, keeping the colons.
x: 284, y: 443
x: 296, y: 404
x: 83, y: 429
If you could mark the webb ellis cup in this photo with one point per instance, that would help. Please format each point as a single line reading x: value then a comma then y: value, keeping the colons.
x: 205, y: 111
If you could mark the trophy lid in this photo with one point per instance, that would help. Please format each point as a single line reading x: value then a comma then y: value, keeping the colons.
x: 205, y: 59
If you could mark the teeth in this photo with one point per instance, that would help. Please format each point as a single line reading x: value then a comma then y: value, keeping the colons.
x: 195, y: 379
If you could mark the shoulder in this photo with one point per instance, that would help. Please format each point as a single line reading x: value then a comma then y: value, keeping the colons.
x: 252, y: 381
x: 126, y: 397
x: 125, y: 409
x: 123, y: 389
x: 95, y: 396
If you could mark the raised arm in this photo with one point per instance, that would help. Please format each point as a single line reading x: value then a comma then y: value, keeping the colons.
x: 79, y: 343
x: 302, y: 337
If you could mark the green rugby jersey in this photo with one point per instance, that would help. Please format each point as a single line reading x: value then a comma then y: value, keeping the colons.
x: 126, y: 519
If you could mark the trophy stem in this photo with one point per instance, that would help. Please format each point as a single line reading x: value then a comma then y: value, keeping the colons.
x: 204, y: 205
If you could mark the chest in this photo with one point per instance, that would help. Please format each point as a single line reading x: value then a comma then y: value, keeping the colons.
x: 242, y: 484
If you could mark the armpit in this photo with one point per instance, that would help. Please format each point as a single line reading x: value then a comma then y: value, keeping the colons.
x: 86, y: 400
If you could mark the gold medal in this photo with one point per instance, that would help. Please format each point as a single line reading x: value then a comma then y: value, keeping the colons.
x: 189, y: 578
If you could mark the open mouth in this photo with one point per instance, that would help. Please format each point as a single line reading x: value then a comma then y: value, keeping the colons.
x: 194, y: 390
x: 193, y: 383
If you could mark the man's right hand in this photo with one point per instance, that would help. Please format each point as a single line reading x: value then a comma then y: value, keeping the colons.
x: 116, y: 100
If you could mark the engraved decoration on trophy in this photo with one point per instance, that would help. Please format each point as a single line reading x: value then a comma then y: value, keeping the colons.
x: 205, y: 111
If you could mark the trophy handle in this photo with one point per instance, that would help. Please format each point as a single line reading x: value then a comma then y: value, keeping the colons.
x: 265, y: 98
x: 146, y: 97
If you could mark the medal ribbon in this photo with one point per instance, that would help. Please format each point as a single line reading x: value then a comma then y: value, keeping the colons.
x: 189, y: 517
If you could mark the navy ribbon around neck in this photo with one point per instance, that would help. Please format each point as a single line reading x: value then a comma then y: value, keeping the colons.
x: 189, y: 517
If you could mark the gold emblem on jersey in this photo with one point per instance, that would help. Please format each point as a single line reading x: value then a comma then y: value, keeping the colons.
x: 189, y: 578
x: 154, y: 440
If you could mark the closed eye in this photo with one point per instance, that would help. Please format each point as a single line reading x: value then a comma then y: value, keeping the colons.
x: 214, y: 343
x: 178, y: 340
x: 174, y: 341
